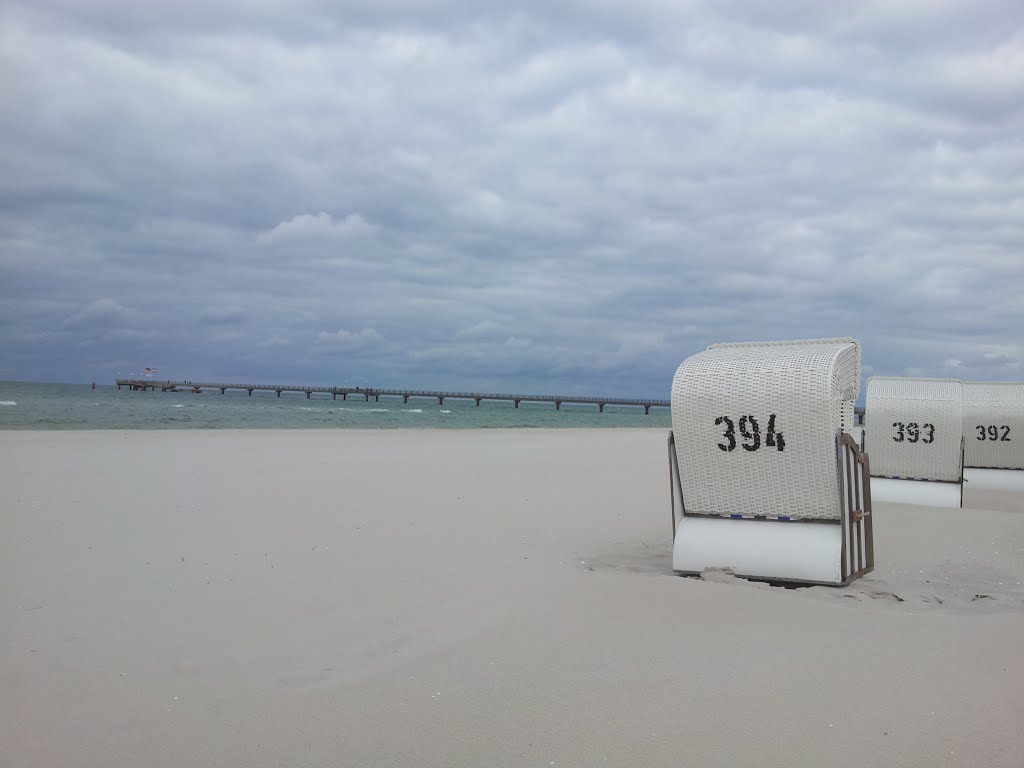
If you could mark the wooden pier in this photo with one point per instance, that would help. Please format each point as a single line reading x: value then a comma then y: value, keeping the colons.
x: 368, y: 393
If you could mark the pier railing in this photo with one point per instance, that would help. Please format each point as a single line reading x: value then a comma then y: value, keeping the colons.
x: 367, y: 393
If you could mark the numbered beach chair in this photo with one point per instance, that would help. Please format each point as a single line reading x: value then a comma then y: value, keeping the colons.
x: 994, y: 435
x: 765, y: 480
x: 914, y: 435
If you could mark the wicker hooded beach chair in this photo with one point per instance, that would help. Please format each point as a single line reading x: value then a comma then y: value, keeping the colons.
x: 765, y: 480
x: 914, y: 435
x: 994, y: 434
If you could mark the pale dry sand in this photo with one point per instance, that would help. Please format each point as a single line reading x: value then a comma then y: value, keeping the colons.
x: 468, y: 598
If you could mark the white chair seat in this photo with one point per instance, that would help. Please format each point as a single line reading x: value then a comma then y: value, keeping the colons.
x: 980, y: 479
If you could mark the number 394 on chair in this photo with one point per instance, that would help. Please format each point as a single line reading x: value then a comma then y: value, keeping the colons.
x: 765, y: 479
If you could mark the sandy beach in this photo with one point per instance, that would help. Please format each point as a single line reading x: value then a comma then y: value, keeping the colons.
x: 469, y: 598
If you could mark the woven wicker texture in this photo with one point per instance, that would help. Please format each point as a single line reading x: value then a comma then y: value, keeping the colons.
x: 914, y: 428
x: 723, y: 400
x: 994, y: 424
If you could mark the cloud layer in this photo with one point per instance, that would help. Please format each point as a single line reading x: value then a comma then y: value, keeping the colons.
x: 557, y: 196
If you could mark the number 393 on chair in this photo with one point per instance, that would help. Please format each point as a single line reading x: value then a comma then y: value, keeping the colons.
x: 914, y: 434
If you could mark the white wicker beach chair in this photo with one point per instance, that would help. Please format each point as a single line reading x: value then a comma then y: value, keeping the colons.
x: 765, y: 480
x: 994, y: 435
x: 914, y: 435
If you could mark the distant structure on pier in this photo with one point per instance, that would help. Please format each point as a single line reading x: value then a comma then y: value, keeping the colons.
x: 377, y: 394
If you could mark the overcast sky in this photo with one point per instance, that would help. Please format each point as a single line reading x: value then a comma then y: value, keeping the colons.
x: 542, y: 196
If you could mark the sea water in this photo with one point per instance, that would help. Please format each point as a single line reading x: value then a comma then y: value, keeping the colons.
x: 78, y: 406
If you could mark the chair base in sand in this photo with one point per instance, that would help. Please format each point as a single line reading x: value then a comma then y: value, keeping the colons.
x: 826, y: 552
x: 994, y: 479
x: 928, y: 493
x: 805, y: 552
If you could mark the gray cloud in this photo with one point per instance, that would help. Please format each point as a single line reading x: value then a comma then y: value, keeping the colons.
x: 553, y: 196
